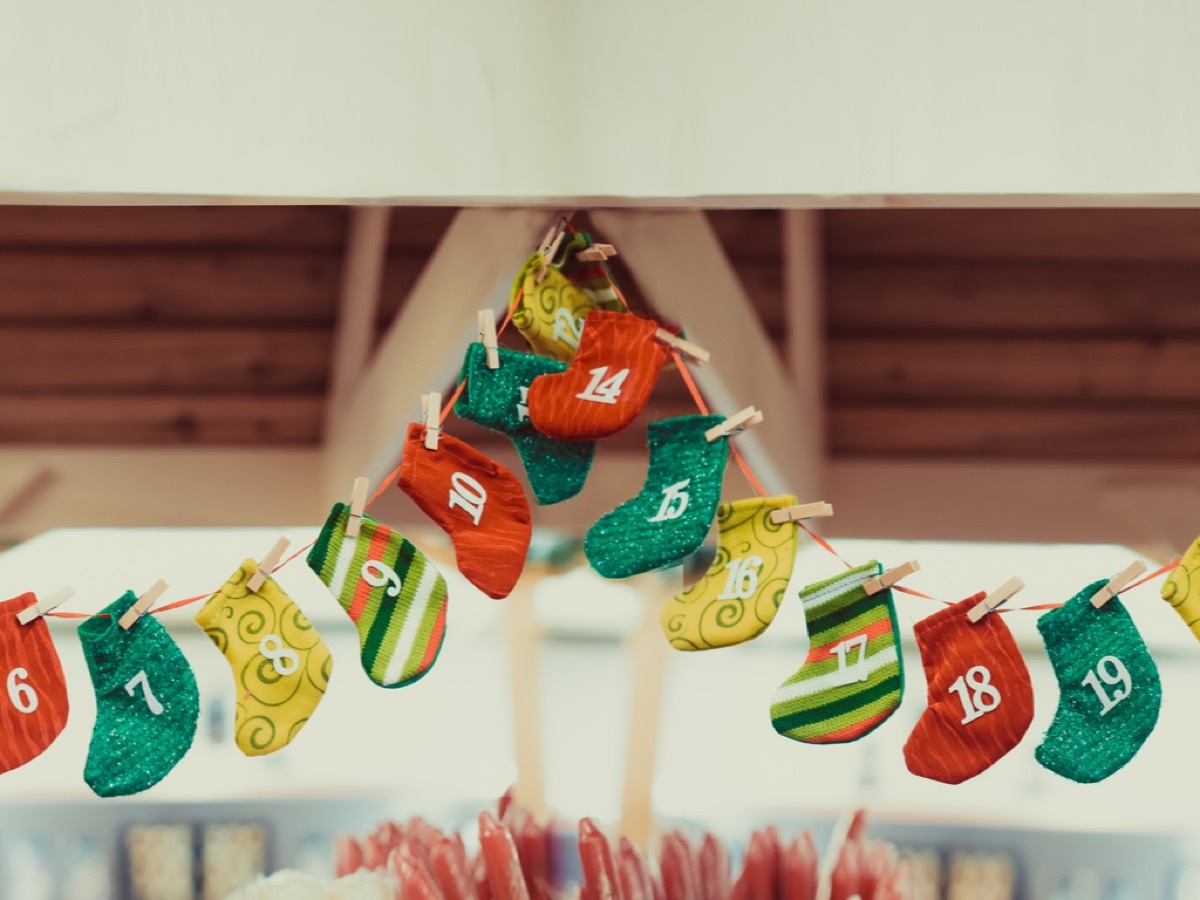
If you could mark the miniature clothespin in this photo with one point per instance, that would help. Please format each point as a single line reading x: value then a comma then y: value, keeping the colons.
x: 39, y: 609
x: 268, y: 564
x: 739, y: 421
x: 549, y: 249
x: 431, y: 414
x: 1117, y: 583
x: 597, y: 253
x: 799, y: 513
x: 358, y: 502
x: 996, y: 599
x: 890, y: 577
x: 487, y: 336
x: 699, y: 354
x: 143, y: 604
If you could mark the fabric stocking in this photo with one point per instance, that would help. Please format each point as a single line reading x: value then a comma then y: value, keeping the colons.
x: 608, y: 383
x: 476, y: 501
x: 280, y: 665
x: 1182, y: 588
x: 739, y: 595
x: 671, y: 516
x: 550, y: 314
x: 392, y: 593
x: 1110, y: 688
x: 498, y: 399
x: 33, y: 708
x: 853, y: 677
x: 147, y: 704
x: 980, y: 695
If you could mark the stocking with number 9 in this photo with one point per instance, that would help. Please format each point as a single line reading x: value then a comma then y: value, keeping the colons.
x: 33, y: 707
x: 1111, y: 692
x: 476, y: 501
x: 147, y: 704
x: 980, y: 695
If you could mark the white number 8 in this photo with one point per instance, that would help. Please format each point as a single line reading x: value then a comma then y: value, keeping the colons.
x: 24, y: 698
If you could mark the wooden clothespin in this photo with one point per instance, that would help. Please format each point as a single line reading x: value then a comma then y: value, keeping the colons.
x: 799, y: 513
x: 996, y: 599
x: 890, y: 577
x: 739, y: 421
x: 268, y: 564
x: 1117, y: 583
x: 143, y: 604
x: 677, y: 343
x: 358, y: 502
x: 549, y: 249
x: 596, y: 253
x: 431, y: 415
x: 55, y: 600
x: 487, y: 335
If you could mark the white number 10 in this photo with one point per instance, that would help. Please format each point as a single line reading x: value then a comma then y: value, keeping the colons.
x: 468, y: 494
x: 1113, y: 672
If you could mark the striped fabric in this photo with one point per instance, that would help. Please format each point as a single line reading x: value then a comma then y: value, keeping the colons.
x: 399, y: 627
x: 40, y: 690
x: 853, y: 677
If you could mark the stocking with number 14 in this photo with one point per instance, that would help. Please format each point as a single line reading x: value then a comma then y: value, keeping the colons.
x: 33, y: 706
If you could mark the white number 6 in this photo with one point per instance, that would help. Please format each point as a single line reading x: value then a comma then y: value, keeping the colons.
x: 24, y: 698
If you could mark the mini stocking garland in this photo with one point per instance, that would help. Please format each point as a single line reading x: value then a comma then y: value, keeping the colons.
x: 739, y: 595
x: 550, y: 313
x: 1182, y: 588
x: 476, y: 501
x: 496, y: 399
x: 1110, y: 688
x: 33, y: 710
x: 147, y: 704
x: 980, y: 695
x: 608, y: 383
x: 853, y: 677
x: 280, y: 665
x: 391, y: 591
x: 670, y: 517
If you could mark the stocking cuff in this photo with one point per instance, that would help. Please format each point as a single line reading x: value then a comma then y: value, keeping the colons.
x: 823, y: 592
x: 930, y: 625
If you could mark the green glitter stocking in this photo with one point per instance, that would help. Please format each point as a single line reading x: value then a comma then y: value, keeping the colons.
x: 147, y: 705
x: 672, y: 514
x: 1110, y: 688
x: 495, y: 399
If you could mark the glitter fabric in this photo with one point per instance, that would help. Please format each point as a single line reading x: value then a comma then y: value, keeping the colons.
x: 1110, y: 688
x: 34, y: 709
x: 672, y: 514
x: 495, y: 399
x: 738, y: 597
x: 147, y: 705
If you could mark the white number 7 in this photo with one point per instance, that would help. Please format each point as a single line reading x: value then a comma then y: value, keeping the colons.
x: 156, y: 708
x: 859, y: 672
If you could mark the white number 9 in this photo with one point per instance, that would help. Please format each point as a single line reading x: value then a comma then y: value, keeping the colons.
x: 377, y: 574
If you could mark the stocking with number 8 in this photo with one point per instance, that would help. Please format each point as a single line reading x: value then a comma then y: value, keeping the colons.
x: 33, y: 706
x: 476, y: 501
x: 980, y: 695
x: 147, y: 704
x: 1111, y: 691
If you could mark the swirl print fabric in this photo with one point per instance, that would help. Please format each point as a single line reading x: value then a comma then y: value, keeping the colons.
x: 1182, y: 588
x: 738, y: 597
x: 280, y: 665
x: 392, y: 593
x: 853, y: 678
x: 147, y: 704
x: 34, y: 712
x: 550, y: 314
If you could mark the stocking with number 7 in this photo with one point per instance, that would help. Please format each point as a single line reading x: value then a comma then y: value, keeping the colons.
x: 33, y: 705
x: 476, y: 501
x: 1111, y: 692
x: 980, y: 695
x: 147, y: 705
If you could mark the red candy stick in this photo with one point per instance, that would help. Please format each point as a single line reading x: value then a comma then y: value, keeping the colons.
x: 714, y: 869
x: 599, y: 870
x: 448, y: 871
x: 503, y: 864
x: 636, y: 883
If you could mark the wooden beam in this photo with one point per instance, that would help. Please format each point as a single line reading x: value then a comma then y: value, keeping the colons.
x: 358, y: 302
x: 472, y: 267
x: 804, y: 317
x: 686, y: 277
x: 523, y: 637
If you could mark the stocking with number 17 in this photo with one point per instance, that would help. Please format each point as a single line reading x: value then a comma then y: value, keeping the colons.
x: 147, y: 704
x: 33, y: 705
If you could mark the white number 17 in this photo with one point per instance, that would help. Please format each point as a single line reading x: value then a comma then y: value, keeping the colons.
x: 859, y: 671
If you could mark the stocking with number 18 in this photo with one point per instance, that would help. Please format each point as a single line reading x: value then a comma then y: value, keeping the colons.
x: 980, y: 695
x: 33, y: 705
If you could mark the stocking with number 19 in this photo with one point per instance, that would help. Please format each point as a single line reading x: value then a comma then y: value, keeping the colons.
x: 33, y: 705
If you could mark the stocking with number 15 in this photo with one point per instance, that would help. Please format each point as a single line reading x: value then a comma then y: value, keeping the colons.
x: 33, y: 706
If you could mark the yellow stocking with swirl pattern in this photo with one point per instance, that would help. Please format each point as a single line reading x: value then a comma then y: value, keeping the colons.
x: 738, y: 597
x: 551, y: 312
x: 280, y: 665
x: 1182, y: 588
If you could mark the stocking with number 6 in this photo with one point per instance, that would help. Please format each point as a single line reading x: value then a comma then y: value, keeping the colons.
x: 476, y: 501
x: 1111, y: 692
x: 980, y: 695
x: 147, y: 705
x: 33, y: 707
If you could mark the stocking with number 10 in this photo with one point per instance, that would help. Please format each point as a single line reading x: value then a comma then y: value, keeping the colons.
x: 33, y: 706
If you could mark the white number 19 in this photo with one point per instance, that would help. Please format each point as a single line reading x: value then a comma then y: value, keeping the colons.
x: 1113, y: 672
